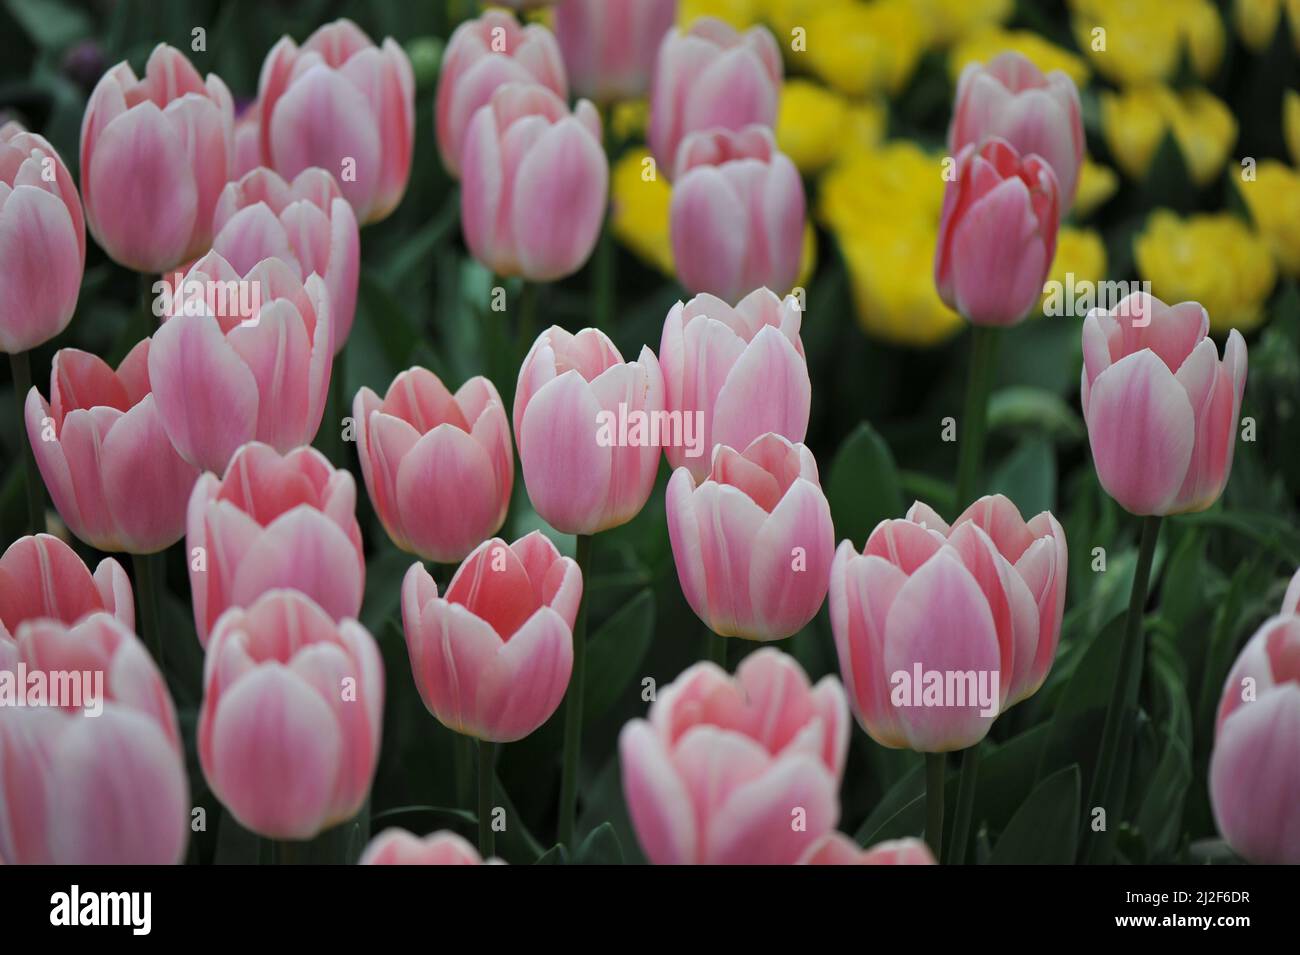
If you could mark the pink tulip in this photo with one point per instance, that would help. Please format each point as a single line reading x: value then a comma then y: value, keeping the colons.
x: 839, y: 849
x: 1012, y: 99
x: 533, y: 195
x: 753, y: 544
x: 116, y: 480
x: 341, y: 103
x: 242, y: 356
x: 589, y: 427
x: 42, y: 241
x: 274, y: 521
x: 154, y: 156
x: 307, y: 224
x: 481, y: 56
x: 1160, y: 405
x: 737, y: 214
x: 997, y: 235
x: 248, y: 142
x: 93, y: 773
x: 740, y: 770
x: 438, y: 466
x: 398, y: 847
x: 978, y: 603
x: 492, y: 657
x: 733, y: 374
x: 290, y: 725
x: 43, y: 578
x: 711, y: 76
x: 609, y: 46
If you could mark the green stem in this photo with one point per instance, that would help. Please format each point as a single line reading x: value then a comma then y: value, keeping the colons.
x: 603, y: 285
x: 970, y: 767
x: 21, y: 365
x: 463, y: 756
x: 526, y: 330
x: 934, y: 780
x: 289, y: 852
x: 573, y: 704
x: 329, y: 439
x: 486, y: 780
x: 146, y: 588
x: 974, y: 425
x: 717, y: 648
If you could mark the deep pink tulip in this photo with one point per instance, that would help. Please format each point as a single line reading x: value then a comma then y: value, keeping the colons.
x: 291, y: 721
x: 1161, y: 407
x: 43, y: 578
x: 98, y: 778
x: 481, y: 56
x: 981, y: 600
x: 155, y: 153
x: 1011, y: 98
x: 737, y: 214
x: 492, y: 657
x: 248, y: 142
x: 341, y: 103
x: 242, y: 356
x: 398, y: 847
x: 740, y: 770
x: 113, y: 475
x: 997, y: 234
x: 587, y: 465
x: 711, y: 76
x: 274, y: 521
x: 534, y: 185
x: 307, y: 224
x: 42, y: 241
x: 732, y: 374
x: 839, y: 849
x: 609, y: 46
x: 439, y: 467
x: 753, y: 543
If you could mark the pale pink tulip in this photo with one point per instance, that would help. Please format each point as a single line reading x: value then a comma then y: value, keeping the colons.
x: 43, y: 578
x: 341, y: 103
x: 711, y: 76
x: 155, y: 153
x: 534, y: 184
x: 997, y: 234
x: 95, y: 776
x: 398, y: 847
x: 589, y: 427
x: 438, y: 466
x: 978, y: 603
x: 307, y: 224
x: 737, y: 214
x: 732, y: 374
x: 248, y: 142
x: 740, y: 770
x: 492, y: 657
x: 290, y: 726
x: 274, y: 521
x: 1011, y: 98
x: 42, y: 241
x: 839, y: 849
x: 609, y: 46
x: 1160, y: 405
x: 242, y: 356
x: 116, y: 480
x: 753, y: 543
x: 481, y: 56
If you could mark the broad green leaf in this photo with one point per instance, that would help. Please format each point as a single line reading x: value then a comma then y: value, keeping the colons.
x: 863, y: 487
x: 615, y: 652
x: 1045, y: 829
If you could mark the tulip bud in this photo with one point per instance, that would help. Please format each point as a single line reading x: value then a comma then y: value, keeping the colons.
x: 248, y: 142
x: 42, y: 577
x: 839, y: 849
x: 398, y: 847
x: 609, y: 46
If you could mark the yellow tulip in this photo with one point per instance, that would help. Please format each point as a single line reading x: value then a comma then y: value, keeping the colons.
x: 1206, y: 131
x: 1256, y: 22
x: 816, y: 124
x: 1273, y: 198
x: 954, y: 20
x: 984, y: 44
x: 1097, y: 183
x: 639, y: 203
x: 1291, y: 124
x: 1204, y: 36
x: 739, y: 13
x: 1081, y: 253
x: 866, y: 48
x: 1135, y: 122
x: 1137, y: 42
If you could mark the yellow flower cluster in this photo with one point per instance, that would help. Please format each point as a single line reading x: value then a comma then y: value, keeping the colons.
x: 1257, y: 21
x: 1273, y: 198
x: 1138, y: 42
x: 1136, y: 121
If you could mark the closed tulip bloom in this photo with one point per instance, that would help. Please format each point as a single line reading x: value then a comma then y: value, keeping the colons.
x: 93, y: 774
x: 114, y: 476
x: 398, y: 847
x: 42, y: 241
x: 534, y: 184
x: 155, y: 154
x: 1011, y: 98
x: 997, y: 233
x: 753, y: 543
x: 307, y: 224
x: 982, y: 599
x: 589, y: 427
x: 439, y: 467
x: 481, y: 56
x: 609, y: 46
x: 43, y: 578
x: 492, y: 657
x: 737, y: 215
x: 290, y: 725
x: 722, y: 765
x: 1160, y: 405
x: 242, y: 356
x: 248, y: 141
x: 274, y: 521
x: 711, y: 76
x: 341, y: 103
x: 839, y: 849
x: 733, y: 374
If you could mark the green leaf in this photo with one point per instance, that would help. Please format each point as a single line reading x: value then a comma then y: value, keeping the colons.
x: 1023, y: 409
x: 555, y: 855
x: 601, y: 847
x: 1160, y: 818
x: 863, y: 488
x: 1028, y: 476
x: 51, y: 24
x: 615, y: 653
x: 1045, y: 829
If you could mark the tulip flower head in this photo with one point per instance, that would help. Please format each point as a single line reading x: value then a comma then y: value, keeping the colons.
x: 839, y: 849
x: 398, y: 847
x: 43, y: 578
x: 609, y: 46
